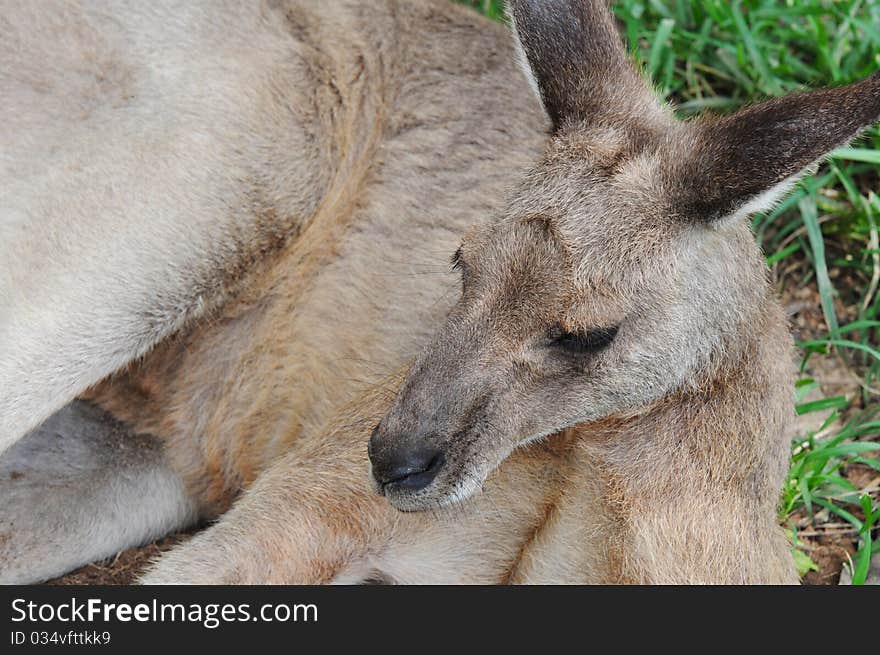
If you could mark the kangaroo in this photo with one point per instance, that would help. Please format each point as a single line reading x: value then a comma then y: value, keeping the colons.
x: 226, y: 283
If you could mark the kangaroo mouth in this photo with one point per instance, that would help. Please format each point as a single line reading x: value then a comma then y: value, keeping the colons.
x: 413, y: 479
x: 416, y: 493
x: 419, y: 469
x: 441, y: 484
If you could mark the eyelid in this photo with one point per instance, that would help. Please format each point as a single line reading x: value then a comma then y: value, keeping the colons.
x: 582, y: 341
x: 457, y: 263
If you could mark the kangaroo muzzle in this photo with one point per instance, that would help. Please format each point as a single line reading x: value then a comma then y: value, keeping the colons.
x: 402, y: 467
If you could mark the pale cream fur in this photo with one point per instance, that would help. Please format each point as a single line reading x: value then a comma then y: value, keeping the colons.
x: 251, y: 278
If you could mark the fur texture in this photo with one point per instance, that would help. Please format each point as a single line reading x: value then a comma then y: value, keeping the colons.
x: 77, y: 488
x: 265, y: 271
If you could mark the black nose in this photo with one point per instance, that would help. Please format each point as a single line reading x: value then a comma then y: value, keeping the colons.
x: 404, y: 468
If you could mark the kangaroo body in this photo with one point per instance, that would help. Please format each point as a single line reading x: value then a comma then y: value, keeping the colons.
x: 229, y: 227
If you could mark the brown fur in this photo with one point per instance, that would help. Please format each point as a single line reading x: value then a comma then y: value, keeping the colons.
x: 425, y: 124
x: 288, y: 361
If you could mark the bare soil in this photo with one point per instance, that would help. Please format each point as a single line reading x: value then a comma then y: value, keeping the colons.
x: 830, y: 541
x: 122, y: 569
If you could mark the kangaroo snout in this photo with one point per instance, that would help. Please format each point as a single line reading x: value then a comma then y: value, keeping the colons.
x: 401, y: 466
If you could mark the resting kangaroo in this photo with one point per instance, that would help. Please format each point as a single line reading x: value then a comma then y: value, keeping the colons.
x: 225, y: 280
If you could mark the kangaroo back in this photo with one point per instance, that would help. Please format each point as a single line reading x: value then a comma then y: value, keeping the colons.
x: 147, y: 171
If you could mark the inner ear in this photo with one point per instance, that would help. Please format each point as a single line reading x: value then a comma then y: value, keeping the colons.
x: 746, y: 162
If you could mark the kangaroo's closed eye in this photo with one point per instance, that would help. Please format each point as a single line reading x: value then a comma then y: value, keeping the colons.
x: 456, y: 259
x: 457, y: 263
x: 582, y: 342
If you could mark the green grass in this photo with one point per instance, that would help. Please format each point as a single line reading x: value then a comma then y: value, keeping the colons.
x: 713, y: 55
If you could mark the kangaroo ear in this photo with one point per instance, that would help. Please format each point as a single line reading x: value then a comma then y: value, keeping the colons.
x: 577, y: 63
x: 746, y: 162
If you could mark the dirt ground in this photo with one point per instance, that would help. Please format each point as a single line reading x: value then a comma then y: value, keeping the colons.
x: 829, y: 542
x: 124, y: 568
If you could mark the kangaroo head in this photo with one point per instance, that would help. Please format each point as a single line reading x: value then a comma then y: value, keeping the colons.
x: 620, y: 268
